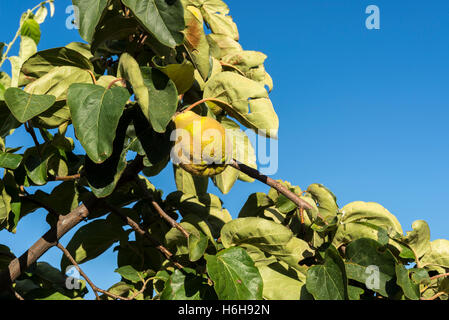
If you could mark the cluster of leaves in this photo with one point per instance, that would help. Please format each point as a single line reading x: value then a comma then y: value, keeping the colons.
x: 143, y: 62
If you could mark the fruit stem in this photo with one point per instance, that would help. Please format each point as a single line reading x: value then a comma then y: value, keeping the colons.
x: 193, y: 105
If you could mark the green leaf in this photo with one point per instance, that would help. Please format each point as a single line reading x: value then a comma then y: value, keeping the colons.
x: 438, y: 254
x: 206, y: 207
x: 41, y: 14
x: 243, y: 99
x: 179, y: 244
x: 196, y: 42
x: 30, y: 28
x: 197, y: 246
x: 221, y: 45
x: 96, y: 112
x: 354, y: 293
x: 10, y: 160
x: 5, y: 205
x: 164, y: 98
x: 362, y: 220
x: 180, y: 74
x: 364, y: 254
x: 234, y: 275
x: 280, y: 283
x: 268, y: 236
x: 90, y: 241
x: 90, y: 13
x: 215, y: 13
x: 251, y: 64
x: 27, y: 49
x: 242, y: 151
x: 103, y: 177
x: 129, y: 273
x: 163, y: 19
x: 185, y: 284
x: 411, y: 289
x: 328, y: 281
x: 419, y: 238
x: 189, y: 184
x: 255, y: 205
x: 327, y: 202
x: 44, y: 61
x: 25, y: 106
x: 57, y: 82
x: 115, y: 28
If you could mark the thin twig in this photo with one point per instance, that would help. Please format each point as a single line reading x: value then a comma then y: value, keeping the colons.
x: 137, y: 228
x: 440, y: 276
x: 9, y: 45
x: 436, y: 296
x: 72, y: 260
x: 16, y: 294
x: 65, y: 178
x: 159, y: 210
x: 29, y: 128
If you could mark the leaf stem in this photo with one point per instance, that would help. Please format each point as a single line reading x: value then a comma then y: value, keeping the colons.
x: 115, y: 81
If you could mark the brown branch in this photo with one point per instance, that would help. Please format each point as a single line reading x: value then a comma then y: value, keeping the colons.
x: 137, y: 228
x: 65, y: 178
x: 16, y: 294
x: 255, y: 174
x: 74, y: 263
x: 436, y: 296
x: 440, y: 276
x: 159, y: 210
x: 93, y: 286
x: 50, y: 239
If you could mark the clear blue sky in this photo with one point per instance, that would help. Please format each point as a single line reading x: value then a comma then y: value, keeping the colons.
x: 363, y: 112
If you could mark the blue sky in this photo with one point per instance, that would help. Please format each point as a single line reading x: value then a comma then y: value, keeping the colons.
x: 363, y: 112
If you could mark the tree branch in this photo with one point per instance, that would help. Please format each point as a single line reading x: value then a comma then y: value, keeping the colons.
x: 440, y: 276
x: 137, y: 228
x: 65, y: 178
x: 159, y: 210
x: 255, y: 174
x: 72, y: 260
x: 50, y: 239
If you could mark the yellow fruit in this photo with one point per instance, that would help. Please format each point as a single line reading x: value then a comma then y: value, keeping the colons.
x: 202, y: 147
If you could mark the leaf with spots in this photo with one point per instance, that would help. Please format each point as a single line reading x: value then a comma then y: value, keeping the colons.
x: 234, y: 275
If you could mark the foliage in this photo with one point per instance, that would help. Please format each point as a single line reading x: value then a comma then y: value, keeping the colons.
x: 143, y: 62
